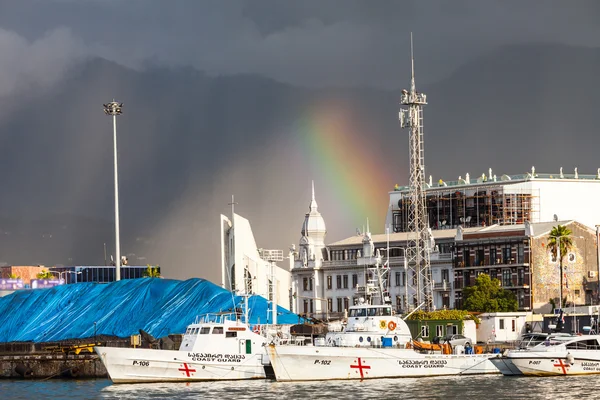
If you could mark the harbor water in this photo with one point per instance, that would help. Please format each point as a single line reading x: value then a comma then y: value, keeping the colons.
x: 456, y: 387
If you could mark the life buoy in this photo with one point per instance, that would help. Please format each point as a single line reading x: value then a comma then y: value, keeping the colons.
x: 382, y: 324
x: 392, y: 325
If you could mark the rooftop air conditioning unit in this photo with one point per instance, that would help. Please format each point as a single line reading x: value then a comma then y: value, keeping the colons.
x: 592, y: 274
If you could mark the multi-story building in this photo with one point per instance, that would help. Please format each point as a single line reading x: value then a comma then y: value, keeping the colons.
x: 506, y: 200
x: 518, y: 256
x: 327, y: 279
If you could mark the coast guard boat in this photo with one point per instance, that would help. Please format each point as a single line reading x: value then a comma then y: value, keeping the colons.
x: 558, y: 355
x: 375, y: 343
x: 215, y: 347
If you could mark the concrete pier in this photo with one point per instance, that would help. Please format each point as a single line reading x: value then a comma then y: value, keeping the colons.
x: 47, y: 366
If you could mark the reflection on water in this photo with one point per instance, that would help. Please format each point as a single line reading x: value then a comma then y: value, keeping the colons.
x: 491, y: 387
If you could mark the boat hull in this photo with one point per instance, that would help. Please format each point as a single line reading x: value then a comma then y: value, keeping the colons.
x: 127, y: 365
x: 304, y: 363
x: 553, y: 364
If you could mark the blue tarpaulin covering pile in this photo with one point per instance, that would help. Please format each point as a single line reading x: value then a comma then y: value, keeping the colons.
x: 158, y: 306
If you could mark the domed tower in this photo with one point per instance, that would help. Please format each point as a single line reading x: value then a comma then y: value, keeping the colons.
x: 313, y: 232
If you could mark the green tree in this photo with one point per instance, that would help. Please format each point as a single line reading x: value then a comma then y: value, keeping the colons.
x: 152, y: 272
x: 12, y: 275
x: 45, y: 275
x: 560, y: 236
x: 488, y: 296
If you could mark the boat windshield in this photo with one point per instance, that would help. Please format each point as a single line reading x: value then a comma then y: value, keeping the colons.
x: 370, y: 311
x: 358, y: 312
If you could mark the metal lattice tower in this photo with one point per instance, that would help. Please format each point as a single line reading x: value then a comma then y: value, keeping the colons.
x: 418, y: 246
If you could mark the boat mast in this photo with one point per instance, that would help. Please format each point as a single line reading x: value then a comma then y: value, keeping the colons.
x: 418, y: 251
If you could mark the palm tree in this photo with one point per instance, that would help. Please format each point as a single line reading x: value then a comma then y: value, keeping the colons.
x: 560, y: 235
x: 152, y: 272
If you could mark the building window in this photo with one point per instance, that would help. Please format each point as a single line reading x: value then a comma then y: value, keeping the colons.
x: 398, y: 303
x: 520, y: 253
x: 345, y: 281
x: 439, y: 330
x: 521, y: 277
x: 501, y: 323
x: 446, y: 275
x: 506, y: 277
x: 310, y: 284
x: 339, y: 305
x: 305, y: 306
x: 346, y: 303
x: 330, y: 305
x: 514, y: 325
x: 467, y: 258
x: 425, y: 331
x: 354, y: 280
x: 312, y: 310
x: 403, y: 279
x: 305, y: 284
x: 479, y: 257
x: 338, y: 280
x: 398, y: 278
x: 452, y: 330
x: 466, y: 278
x: 493, y: 256
x: 329, y: 284
x: 506, y: 255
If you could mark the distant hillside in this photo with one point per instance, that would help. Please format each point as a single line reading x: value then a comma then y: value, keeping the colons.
x: 188, y: 141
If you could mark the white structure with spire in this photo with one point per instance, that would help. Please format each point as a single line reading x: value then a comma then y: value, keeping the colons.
x: 247, y: 269
x: 306, y: 261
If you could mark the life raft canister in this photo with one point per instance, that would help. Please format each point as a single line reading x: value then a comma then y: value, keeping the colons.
x: 392, y: 325
x: 382, y: 324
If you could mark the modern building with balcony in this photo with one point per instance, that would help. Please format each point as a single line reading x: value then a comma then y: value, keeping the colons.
x: 518, y: 256
x: 502, y: 200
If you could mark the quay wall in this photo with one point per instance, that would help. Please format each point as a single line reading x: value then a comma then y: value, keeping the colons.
x: 52, y: 366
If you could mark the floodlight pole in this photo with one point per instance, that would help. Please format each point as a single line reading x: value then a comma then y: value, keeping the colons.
x: 114, y: 108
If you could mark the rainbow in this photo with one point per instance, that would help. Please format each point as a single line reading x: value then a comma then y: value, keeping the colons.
x: 346, y: 166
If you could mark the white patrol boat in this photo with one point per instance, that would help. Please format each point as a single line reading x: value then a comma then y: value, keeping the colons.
x: 215, y: 347
x: 374, y: 344
x: 558, y: 355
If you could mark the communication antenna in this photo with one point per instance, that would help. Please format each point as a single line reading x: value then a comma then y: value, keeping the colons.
x: 418, y: 249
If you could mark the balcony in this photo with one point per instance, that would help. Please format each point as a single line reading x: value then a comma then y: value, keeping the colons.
x: 339, y: 263
x: 441, y: 286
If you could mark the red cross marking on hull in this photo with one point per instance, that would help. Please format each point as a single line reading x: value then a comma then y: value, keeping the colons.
x: 562, y: 365
x: 187, y: 369
x: 360, y: 367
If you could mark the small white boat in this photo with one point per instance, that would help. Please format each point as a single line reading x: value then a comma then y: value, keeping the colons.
x: 216, y: 347
x: 558, y: 355
x: 374, y: 344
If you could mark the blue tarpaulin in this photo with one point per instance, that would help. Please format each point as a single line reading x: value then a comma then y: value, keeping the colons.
x: 158, y: 306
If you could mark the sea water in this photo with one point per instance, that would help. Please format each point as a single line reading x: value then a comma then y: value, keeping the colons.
x: 489, y: 387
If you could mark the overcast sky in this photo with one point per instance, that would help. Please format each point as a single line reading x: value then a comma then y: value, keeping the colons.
x: 306, y: 43
x: 320, y: 42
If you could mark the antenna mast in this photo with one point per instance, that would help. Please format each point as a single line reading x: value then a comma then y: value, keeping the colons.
x: 418, y: 251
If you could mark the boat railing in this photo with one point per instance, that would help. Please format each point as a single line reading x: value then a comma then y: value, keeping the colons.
x: 217, y: 318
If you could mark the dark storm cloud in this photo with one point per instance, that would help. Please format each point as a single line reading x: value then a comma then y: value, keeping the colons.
x: 345, y: 42
x: 188, y: 141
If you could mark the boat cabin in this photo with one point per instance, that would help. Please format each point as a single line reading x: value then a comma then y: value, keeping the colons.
x: 220, y: 332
